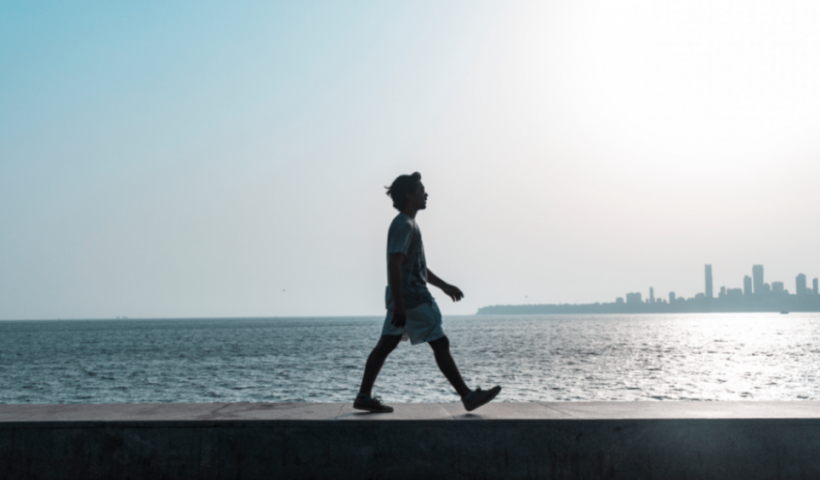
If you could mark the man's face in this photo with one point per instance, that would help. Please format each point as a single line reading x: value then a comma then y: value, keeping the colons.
x: 418, y: 199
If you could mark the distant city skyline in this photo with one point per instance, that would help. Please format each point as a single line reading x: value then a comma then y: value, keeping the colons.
x: 754, y: 286
x: 755, y: 295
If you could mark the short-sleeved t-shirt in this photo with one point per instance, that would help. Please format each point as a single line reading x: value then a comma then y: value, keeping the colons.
x: 404, y: 237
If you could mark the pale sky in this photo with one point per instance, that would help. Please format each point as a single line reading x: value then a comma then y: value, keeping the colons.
x: 197, y: 159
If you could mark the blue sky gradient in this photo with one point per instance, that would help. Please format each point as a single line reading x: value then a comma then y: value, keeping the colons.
x: 214, y: 159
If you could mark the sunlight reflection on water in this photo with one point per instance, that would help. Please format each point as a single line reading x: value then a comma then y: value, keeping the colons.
x: 758, y: 356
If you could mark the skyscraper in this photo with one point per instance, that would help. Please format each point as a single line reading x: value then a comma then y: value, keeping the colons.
x: 747, y: 285
x: 814, y: 285
x: 672, y: 294
x: 757, y: 274
x: 709, y: 282
x: 651, y: 295
x: 800, y: 287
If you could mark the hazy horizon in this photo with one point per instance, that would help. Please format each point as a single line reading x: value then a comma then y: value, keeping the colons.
x: 194, y: 160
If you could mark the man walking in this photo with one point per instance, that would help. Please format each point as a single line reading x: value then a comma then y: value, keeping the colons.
x: 411, y: 310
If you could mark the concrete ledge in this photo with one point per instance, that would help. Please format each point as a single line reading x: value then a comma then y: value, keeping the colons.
x: 725, y: 440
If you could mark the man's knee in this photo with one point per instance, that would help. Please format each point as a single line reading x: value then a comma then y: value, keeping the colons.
x: 386, y: 344
x: 440, y: 345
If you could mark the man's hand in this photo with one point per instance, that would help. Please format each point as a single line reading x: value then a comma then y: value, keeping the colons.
x: 452, y: 291
x: 399, y: 317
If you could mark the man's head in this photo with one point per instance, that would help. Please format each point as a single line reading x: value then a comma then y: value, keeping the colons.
x: 408, y: 191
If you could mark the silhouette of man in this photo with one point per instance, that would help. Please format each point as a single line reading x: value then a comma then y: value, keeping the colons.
x: 411, y: 310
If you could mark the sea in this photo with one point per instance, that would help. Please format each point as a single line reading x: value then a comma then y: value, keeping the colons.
x: 648, y: 357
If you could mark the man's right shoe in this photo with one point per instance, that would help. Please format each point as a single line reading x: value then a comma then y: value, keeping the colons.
x: 478, y: 397
x: 371, y: 404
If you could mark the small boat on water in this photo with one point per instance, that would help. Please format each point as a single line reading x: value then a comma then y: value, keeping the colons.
x: 784, y: 313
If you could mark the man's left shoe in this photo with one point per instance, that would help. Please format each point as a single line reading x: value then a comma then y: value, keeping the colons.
x: 371, y: 404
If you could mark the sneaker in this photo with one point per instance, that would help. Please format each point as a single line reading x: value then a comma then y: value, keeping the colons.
x: 478, y: 397
x: 371, y: 404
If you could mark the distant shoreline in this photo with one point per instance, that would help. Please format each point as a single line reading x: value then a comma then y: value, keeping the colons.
x: 791, y: 303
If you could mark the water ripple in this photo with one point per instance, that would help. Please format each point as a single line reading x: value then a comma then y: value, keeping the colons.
x: 542, y: 357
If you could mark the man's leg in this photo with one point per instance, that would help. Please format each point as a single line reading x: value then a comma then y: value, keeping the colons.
x: 445, y: 362
x: 387, y: 343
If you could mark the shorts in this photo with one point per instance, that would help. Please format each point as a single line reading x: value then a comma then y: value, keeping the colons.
x: 423, y: 324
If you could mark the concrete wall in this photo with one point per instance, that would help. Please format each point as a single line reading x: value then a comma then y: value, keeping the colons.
x: 556, y: 440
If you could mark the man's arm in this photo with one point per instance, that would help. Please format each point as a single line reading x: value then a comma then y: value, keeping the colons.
x: 394, y: 278
x: 451, y: 290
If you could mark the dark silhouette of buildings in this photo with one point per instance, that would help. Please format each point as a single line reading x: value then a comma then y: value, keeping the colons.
x: 800, y: 285
x: 757, y: 275
x: 708, y: 271
x: 633, y: 298
x: 755, y: 296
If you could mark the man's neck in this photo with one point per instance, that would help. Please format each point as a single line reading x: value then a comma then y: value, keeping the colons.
x: 410, y: 212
